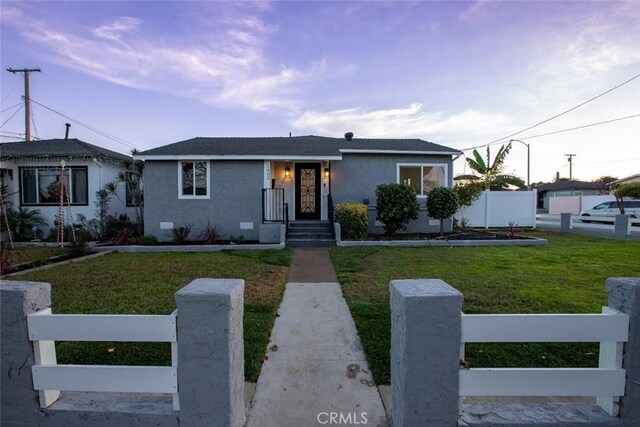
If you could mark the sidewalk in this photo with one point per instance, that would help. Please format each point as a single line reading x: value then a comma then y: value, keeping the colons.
x: 316, y: 371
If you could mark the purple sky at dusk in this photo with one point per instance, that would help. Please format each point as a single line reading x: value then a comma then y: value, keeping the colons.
x: 459, y: 74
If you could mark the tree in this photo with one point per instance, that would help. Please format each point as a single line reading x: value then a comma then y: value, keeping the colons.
x: 490, y: 175
x: 605, y: 179
x: 630, y: 190
x: 132, y: 178
x: 396, y: 205
x: 442, y: 203
x: 467, y: 192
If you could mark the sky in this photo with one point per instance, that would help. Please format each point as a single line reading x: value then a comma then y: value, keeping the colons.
x: 461, y: 74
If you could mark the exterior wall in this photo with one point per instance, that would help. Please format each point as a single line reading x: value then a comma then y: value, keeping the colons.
x: 356, y: 176
x: 235, y: 198
x: 548, y: 195
x: 97, y: 177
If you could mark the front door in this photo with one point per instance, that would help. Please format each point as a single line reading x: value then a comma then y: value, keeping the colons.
x: 307, y: 190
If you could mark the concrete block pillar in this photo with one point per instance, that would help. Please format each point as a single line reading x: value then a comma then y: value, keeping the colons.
x: 425, y: 352
x: 624, y: 296
x: 621, y: 226
x: 565, y: 222
x: 19, y: 403
x: 211, y: 353
x: 337, y: 231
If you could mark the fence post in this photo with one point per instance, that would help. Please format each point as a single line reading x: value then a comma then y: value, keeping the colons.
x: 621, y: 225
x: 211, y: 353
x: 624, y: 296
x: 18, y: 299
x: 565, y: 221
x: 425, y: 352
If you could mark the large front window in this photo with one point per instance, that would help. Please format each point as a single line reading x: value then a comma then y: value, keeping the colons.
x: 42, y: 185
x: 423, y: 178
x: 193, y: 180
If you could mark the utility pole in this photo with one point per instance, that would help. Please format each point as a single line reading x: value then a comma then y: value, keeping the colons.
x: 27, y: 100
x: 570, y: 160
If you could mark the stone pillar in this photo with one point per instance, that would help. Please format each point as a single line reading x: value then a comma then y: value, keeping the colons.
x: 337, y: 230
x: 425, y: 352
x: 624, y: 296
x: 211, y: 353
x: 621, y: 226
x: 565, y: 221
x: 18, y: 299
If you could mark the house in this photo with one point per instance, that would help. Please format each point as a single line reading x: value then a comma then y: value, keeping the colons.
x: 31, y: 172
x: 567, y: 189
x: 626, y: 180
x: 250, y: 186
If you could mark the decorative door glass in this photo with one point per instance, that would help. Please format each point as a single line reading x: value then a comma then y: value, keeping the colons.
x: 307, y: 190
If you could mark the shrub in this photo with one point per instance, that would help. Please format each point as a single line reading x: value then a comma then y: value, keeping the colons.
x: 396, y: 205
x: 210, y: 233
x: 180, y: 234
x: 147, y: 240
x: 467, y: 193
x: 442, y: 203
x: 353, y: 220
x: 124, y: 236
x: 513, y: 230
x: 236, y: 240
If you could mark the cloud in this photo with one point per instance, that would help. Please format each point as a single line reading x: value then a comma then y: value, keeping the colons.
x: 409, y: 121
x: 226, y: 65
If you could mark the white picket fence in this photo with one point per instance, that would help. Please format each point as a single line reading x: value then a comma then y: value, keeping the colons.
x: 49, y: 378
x: 607, y: 382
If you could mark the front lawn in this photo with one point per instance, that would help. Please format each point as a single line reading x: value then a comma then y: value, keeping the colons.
x: 144, y: 283
x: 37, y: 255
x: 565, y: 276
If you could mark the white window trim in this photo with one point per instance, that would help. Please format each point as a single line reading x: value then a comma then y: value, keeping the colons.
x: 182, y: 196
x: 421, y: 165
x: 70, y: 187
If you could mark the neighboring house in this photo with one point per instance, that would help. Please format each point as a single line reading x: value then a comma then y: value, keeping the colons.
x: 626, y: 180
x: 567, y: 189
x: 31, y: 172
x: 247, y: 185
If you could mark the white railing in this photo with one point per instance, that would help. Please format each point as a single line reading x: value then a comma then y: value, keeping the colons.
x: 607, y: 382
x: 49, y: 378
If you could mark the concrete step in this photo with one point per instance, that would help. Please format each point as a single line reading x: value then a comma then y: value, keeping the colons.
x: 310, y: 230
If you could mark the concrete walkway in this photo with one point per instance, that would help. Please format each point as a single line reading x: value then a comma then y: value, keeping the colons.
x: 316, y: 373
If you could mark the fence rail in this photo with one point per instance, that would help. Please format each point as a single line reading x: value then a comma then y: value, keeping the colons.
x: 274, y: 206
x: 545, y: 327
x: 49, y: 378
x: 610, y: 329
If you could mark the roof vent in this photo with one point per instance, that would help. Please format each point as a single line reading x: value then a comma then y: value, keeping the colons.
x: 348, y: 136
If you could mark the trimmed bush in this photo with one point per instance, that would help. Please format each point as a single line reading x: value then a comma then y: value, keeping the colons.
x: 396, y: 205
x: 353, y: 220
x: 442, y: 203
x: 147, y: 240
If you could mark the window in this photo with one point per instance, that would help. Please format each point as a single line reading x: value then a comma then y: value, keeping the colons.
x: 41, y: 185
x: 423, y: 178
x: 193, y: 180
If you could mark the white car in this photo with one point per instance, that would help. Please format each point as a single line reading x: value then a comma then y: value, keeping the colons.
x: 610, y: 209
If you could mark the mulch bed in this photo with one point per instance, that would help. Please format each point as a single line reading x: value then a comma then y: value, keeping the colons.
x: 466, y: 235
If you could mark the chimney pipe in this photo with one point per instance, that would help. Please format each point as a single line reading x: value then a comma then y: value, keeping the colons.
x: 66, y: 132
x: 348, y: 136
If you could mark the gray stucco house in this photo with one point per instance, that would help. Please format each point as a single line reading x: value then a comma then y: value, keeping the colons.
x: 249, y: 186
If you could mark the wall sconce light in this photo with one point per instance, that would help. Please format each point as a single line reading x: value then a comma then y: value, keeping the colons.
x: 326, y: 173
x: 287, y: 172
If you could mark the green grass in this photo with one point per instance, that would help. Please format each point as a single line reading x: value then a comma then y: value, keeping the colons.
x: 136, y: 283
x: 565, y: 276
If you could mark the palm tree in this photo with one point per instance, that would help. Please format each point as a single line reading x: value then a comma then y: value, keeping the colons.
x: 489, y: 175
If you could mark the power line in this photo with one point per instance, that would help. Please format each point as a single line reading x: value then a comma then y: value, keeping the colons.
x: 91, y: 128
x: 13, y: 106
x: 12, y: 89
x: 14, y: 113
x: 582, y: 127
x: 557, y: 115
x: 566, y: 130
